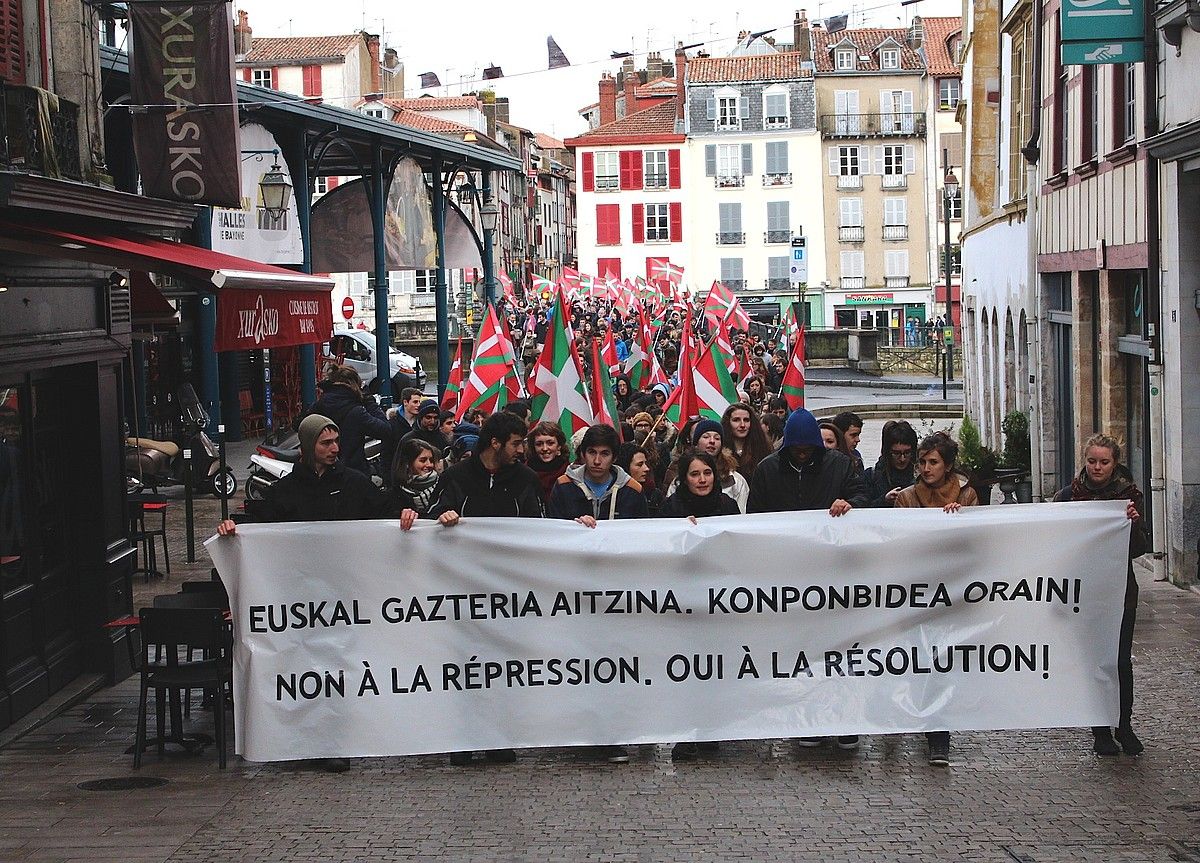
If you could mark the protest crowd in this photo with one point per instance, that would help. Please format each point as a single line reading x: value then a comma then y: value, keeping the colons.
x: 590, y: 401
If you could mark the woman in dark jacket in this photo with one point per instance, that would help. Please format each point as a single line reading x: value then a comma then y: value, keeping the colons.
x: 635, y: 460
x: 623, y: 391
x: 358, y: 419
x: 1104, y: 478
x: 414, y: 480
x: 895, y: 470
x: 546, y: 455
x: 698, y: 494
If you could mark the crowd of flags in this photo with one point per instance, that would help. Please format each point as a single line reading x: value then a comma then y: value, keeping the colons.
x: 556, y: 385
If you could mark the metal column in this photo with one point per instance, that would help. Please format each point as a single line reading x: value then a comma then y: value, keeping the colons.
x: 303, y: 192
x: 382, y: 336
x: 443, y: 310
x: 489, y: 256
x: 206, y: 334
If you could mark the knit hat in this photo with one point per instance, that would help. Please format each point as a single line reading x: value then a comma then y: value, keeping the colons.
x: 705, y: 425
x: 642, y: 417
x: 801, y: 429
x: 310, y: 429
x: 429, y: 406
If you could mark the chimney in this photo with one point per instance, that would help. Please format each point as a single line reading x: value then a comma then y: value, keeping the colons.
x: 631, y: 84
x: 680, y: 72
x: 390, y: 58
x: 916, y: 33
x: 373, y: 51
x: 654, y: 66
x: 802, y: 38
x: 608, y: 99
x: 243, y: 39
x: 502, y: 109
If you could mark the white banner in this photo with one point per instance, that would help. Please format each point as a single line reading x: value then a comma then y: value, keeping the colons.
x: 357, y: 639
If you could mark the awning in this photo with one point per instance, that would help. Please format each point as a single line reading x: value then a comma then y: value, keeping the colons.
x: 147, y: 305
x: 259, y: 305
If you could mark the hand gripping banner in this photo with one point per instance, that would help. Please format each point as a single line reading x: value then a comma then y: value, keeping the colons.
x: 356, y: 639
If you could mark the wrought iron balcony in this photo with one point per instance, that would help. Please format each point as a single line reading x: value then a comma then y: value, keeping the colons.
x: 655, y: 181
x: 895, y: 181
x: 778, y: 284
x: 849, y: 181
x: 873, y: 125
x: 729, y: 182
x: 851, y: 234
x: 895, y: 232
x: 769, y: 180
x: 26, y: 145
x: 731, y: 238
x: 784, y: 236
x: 608, y: 183
x: 734, y: 284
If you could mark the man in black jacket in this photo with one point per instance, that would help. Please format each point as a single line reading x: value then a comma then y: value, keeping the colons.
x: 428, y: 427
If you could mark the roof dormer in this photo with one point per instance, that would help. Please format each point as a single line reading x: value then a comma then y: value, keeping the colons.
x: 844, y: 55
x: 888, y: 53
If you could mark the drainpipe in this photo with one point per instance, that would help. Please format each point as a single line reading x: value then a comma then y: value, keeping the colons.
x: 1033, y: 323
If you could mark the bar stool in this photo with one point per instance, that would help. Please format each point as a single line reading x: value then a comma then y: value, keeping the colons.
x: 138, y: 533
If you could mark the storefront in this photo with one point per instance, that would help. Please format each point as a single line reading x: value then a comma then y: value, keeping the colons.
x: 901, y: 314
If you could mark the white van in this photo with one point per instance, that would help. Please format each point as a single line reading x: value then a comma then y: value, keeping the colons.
x: 357, y: 349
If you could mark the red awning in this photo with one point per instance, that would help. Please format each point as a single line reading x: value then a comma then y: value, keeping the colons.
x: 146, y: 302
x: 259, y: 305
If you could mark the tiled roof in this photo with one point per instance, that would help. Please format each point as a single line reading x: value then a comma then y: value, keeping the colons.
x: 658, y: 120
x: 273, y: 49
x: 429, y: 123
x: 759, y: 67
x: 548, y: 143
x: 865, y: 40
x: 937, y: 45
x: 432, y: 103
x: 658, y: 87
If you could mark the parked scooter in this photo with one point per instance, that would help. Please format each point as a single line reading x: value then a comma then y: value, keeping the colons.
x: 269, y: 464
x: 155, y: 462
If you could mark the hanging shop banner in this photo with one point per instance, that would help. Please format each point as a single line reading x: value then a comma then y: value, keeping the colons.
x: 1096, y: 32
x: 182, y: 58
x: 253, y: 320
x: 500, y: 633
x: 249, y: 230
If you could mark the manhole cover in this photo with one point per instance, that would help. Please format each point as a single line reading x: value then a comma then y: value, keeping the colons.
x: 123, y: 783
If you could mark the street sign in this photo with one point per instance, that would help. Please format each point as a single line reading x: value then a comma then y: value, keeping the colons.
x: 798, y: 272
x: 1102, y: 31
x: 348, y: 308
x: 1096, y: 53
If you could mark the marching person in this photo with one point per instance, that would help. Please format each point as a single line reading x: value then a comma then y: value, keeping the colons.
x: 358, y: 419
x: 851, y: 425
x: 1103, y: 477
x: 636, y: 461
x: 894, y: 471
x: 744, y: 437
x: 938, y: 485
x: 698, y: 494
x: 547, y: 455
x: 709, y: 436
x: 414, y: 480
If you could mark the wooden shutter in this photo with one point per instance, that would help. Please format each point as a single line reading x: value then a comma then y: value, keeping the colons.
x: 12, y: 43
x: 589, y: 172
x: 636, y: 167
x: 331, y: 183
x: 312, y: 80
x: 274, y: 77
x: 608, y: 225
x: 672, y: 169
x: 638, y: 232
x: 910, y: 160
x: 711, y: 107
x: 743, y: 108
x: 710, y: 160
x: 835, y: 164
x: 623, y: 161
x: 747, y: 159
x: 879, y: 161
x: 676, y: 219
x: 609, y: 265
x: 246, y: 74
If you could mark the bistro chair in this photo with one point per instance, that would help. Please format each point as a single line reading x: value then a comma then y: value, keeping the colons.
x: 168, y: 631
x: 206, y: 598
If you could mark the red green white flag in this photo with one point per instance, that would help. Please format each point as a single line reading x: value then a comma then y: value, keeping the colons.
x: 486, y: 387
x: 603, y: 401
x: 792, y: 387
x: 715, y: 390
x: 454, y: 382
x: 556, y: 388
x: 722, y: 305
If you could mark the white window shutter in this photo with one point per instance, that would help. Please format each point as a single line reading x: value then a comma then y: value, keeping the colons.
x: 712, y: 108
x: 885, y: 102
x: 833, y: 161
x: 879, y: 160
x: 744, y: 107
x: 907, y: 102
x: 910, y: 159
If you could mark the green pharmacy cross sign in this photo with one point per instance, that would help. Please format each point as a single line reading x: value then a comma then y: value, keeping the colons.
x: 1102, y: 31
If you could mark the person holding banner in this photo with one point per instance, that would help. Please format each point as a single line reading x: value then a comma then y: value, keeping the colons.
x: 1103, y: 477
x: 699, y: 494
x: 597, y: 489
x: 414, y: 480
x: 894, y: 471
x: 938, y: 484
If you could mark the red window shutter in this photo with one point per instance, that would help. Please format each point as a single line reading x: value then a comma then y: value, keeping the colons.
x: 312, y: 80
x: 274, y: 77
x: 246, y: 74
x: 635, y: 169
x: 626, y: 171
x: 608, y: 225
x: 639, y: 223
x: 12, y: 42
x: 604, y: 266
x: 675, y: 212
x: 589, y: 172
x: 673, y: 169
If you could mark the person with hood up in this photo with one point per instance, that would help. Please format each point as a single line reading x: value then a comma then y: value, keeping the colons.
x: 1103, y: 477
x: 623, y: 392
x: 359, y: 419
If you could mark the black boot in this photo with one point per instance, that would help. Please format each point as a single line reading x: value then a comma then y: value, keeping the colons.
x: 1129, y: 741
x: 1103, y: 743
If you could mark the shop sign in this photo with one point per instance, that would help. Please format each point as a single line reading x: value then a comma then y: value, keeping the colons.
x: 867, y: 299
x: 255, y: 320
x: 1102, y: 31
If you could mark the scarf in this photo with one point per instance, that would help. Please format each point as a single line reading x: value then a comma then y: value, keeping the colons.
x: 421, y: 488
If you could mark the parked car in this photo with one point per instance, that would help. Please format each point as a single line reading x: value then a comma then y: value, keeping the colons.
x: 357, y: 349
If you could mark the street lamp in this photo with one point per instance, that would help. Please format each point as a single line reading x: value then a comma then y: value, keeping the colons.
x: 489, y: 214
x: 276, y: 191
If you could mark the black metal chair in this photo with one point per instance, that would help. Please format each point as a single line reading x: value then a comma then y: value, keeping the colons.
x: 169, y: 631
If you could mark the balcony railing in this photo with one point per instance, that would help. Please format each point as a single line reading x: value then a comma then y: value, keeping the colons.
x: 24, y: 143
x: 850, y: 181
x: 731, y: 238
x: 872, y: 125
x: 734, y: 284
x: 608, y: 184
x: 784, y: 236
x: 895, y: 232
x: 853, y: 283
x: 655, y: 181
x: 851, y: 234
x: 778, y: 284
x: 775, y: 122
x: 777, y: 179
x: 729, y: 182
x: 895, y: 181
x: 895, y: 281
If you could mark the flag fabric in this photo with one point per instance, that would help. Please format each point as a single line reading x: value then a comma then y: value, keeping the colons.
x: 724, y: 346
x: 603, y: 400
x: 682, y: 406
x: 542, y: 286
x: 661, y: 268
x: 571, y: 275
x: 556, y: 382
x: 745, y: 367
x: 454, y: 381
x: 486, y: 387
x: 722, y: 305
x: 714, y: 388
x: 507, y: 284
x: 513, y: 381
x: 792, y: 387
x: 790, y: 327
x: 609, y: 352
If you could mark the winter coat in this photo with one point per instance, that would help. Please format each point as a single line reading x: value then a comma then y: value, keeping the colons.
x: 572, y: 498
x: 418, y: 494
x: 357, y: 423
x: 683, y: 503
x: 957, y: 490
x: 734, y: 486
x: 1119, y: 487
x: 338, y: 494
x: 470, y: 489
x: 883, y: 478
x: 779, y: 485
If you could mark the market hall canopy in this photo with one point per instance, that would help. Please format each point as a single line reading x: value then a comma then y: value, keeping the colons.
x: 261, y: 306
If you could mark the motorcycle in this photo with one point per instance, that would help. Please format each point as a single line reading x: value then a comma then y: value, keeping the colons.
x: 269, y: 464
x: 156, y: 462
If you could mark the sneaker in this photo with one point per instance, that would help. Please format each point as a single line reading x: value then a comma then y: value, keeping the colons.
x: 939, y: 753
x: 459, y: 759
x: 1129, y: 741
x: 1103, y: 743
x: 684, y: 751
x: 615, y: 754
x: 501, y: 756
x: 848, y: 741
x: 809, y: 742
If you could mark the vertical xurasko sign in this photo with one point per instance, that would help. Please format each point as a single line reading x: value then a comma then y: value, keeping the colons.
x: 1102, y: 31
x: 181, y: 69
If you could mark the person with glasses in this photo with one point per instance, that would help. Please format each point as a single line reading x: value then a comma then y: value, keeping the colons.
x: 896, y: 468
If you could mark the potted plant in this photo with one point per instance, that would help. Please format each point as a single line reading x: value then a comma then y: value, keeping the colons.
x: 979, y: 462
x: 1017, y: 454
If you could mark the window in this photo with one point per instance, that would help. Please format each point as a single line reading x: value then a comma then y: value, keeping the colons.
x: 732, y: 274
x: 424, y: 281
x: 778, y: 272
x: 777, y: 157
x: 729, y: 222
x: 779, y: 222
x: 658, y: 223
x: 848, y: 165
x: 949, y: 93
x: 262, y: 78
x: 895, y: 268
x: 1090, y: 125
x: 889, y: 58
x: 320, y: 185
x: 895, y: 219
x: 853, y: 268
x: 377, y: 111
x: 655, y: 169
x: 775, y: 109
x: 608, y: 171
x: 1130, y: 101
x: 893, y: 162
x: 1124, y: 104
x: 896, y: 112
x: 850, y: 220
x: 729, y: 160
x: 1062, y: 112
x: 844, y: 59
x: 1020, y: 109
x: 955, y: 260
x: 955, y: 202
x: 727, y: 112
x: 608, y: 225
x: 609, y: 265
